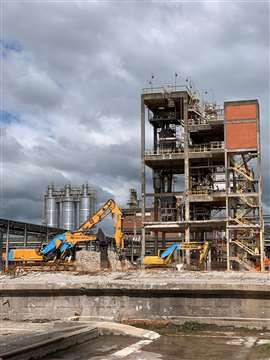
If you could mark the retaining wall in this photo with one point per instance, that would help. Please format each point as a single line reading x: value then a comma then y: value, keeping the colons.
x: 247, y: 305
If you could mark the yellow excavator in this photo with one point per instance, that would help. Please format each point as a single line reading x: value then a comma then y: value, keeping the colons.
x: 165, y: 256
x: 63, y: 245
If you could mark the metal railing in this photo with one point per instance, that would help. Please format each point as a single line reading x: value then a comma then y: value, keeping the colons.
x: 164, y: 151
x: 166, y: 88
x: 194, y: 148
x: 170, y: 117
x: 198, y: 122
x: 207, y: 147
x: 203, y: 191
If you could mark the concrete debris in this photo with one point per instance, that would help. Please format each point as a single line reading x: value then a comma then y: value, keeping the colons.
x: 89, y: 261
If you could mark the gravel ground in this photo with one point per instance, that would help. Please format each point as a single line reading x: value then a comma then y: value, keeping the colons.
x: 141, y: 277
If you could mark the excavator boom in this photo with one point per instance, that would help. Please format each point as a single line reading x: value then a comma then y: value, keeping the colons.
x: 110, y: 207
x: 62, y: 243
x: 69, y: 239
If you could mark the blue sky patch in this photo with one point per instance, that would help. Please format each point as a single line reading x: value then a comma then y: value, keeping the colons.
x: 7, y: 46
x: 7, y: 117
x: 11, y: 45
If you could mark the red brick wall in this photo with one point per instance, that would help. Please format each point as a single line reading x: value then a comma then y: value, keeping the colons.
x: 243, y: 111
x: 241, y: 134
x: 128, y: 222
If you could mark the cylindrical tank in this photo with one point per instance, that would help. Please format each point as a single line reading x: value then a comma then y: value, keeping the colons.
x: 68, y: 210
x: 76, y: 213
x: 51, y: 208
x: 85, y: 204
x: 92, y: 203
x: 133, y: 198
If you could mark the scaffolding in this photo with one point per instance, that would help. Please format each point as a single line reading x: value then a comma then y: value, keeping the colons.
x: 213, y: 154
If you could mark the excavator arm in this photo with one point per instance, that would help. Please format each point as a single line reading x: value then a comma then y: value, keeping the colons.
x: 62, y: 243
x: 110, y: 207
x: 65, y: 241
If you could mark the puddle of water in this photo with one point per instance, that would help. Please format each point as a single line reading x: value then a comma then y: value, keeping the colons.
x: 200, y: 345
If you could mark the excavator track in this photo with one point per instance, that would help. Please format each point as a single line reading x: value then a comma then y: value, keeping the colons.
x: 41, y: 267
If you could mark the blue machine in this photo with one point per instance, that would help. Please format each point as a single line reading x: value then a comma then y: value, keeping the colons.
x: 170, y: 250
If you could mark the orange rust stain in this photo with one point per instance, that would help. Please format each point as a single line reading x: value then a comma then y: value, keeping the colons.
x: 238, y: 112
x: 241, y: 135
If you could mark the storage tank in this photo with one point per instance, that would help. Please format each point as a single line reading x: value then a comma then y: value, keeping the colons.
x: 85, y: 204
x: 76, y: 213
x: 68, y: 210
x: 51, y: 208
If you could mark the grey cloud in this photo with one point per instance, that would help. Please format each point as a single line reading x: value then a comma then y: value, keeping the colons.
x: 92, y: 59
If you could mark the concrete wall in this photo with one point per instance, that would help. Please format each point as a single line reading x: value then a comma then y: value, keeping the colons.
x: 208, y: 306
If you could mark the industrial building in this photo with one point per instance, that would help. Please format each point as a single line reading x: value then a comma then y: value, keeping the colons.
x: 21, y: 235
x: 68, y: 207
x: 206, y: 177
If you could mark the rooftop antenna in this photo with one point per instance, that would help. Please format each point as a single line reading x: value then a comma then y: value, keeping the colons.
x: 151, y: 81
x: 175, y: 78
x: 205, y: 92
x: 188, y: 80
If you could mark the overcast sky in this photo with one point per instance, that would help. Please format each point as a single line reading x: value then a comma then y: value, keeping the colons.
x: 71, y: 78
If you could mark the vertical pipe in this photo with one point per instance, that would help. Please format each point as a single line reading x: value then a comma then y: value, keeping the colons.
x: 134, y: 235
x: 7, y: 245
x: 60, y: 219
x: 143, y: 176
x: 259, y: 169
x: 227, y: 184
x: 186, y: 162
x: 155, y: 198
x: 25, y: 236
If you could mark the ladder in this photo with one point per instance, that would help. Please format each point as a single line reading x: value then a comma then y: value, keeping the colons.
x: 246, y: 248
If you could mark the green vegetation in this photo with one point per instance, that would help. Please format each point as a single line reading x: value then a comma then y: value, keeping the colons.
x: 191, y: 326
x: 165, y: 327
x: 264, y: 348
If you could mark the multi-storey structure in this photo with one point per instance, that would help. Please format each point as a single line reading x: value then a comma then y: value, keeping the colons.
x: 68, y: 207
x: 214, y: 158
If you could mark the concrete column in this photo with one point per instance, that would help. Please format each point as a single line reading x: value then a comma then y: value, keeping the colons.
x: 155, y: 138
x: 209, y: 260
x: 163, y: 239
x: 259, y: 172
x: 186, y: 162
x: 25, y: 236
x: 142, y: 176
x: 1, y: 250
x: 134, y: 235
x: 227, y: 184
x: 7, y: 245
x: 156, y: 242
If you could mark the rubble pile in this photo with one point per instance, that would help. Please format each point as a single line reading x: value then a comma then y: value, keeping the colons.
x: 89, y: 261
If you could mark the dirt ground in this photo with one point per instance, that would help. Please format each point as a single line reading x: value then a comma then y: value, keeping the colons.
x: 152, y: 277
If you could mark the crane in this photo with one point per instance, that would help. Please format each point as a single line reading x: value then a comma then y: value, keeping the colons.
x: 62, y: 245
